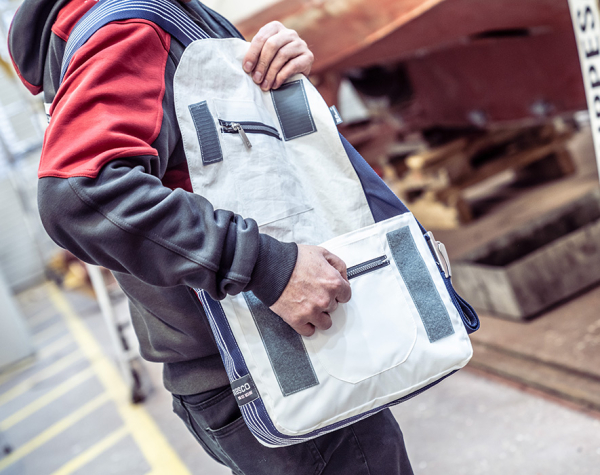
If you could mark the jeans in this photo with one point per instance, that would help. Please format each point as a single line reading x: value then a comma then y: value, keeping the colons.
x: 373, y: 446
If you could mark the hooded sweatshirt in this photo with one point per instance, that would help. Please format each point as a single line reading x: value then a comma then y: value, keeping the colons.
x: 114, y: 187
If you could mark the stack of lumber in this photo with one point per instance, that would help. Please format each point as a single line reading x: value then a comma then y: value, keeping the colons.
x: 437, y: 177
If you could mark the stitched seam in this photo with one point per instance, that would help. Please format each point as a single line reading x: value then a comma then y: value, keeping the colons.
x: 411, y: 294
x: 128, y: 152
x: 316, y: 383
x: 161, y: 95
x: 93, y: 172
x: 271, y: 361
x: 263, y: 341
x: 361, y: 449
x: 60, y: 33
x: 314, y: 128
x: 321, y: 465
x: 278, y: 116
x: 197, y: 127
x: 125, y: 227
x: 217, y: 398
x: 307, y: 107
x: 195, y: 433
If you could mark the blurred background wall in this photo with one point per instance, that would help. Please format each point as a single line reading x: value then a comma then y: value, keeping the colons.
x: 24, y: 246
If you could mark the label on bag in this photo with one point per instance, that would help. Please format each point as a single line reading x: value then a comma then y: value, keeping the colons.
x: 244, y: 390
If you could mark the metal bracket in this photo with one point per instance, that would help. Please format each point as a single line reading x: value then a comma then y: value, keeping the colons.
x: 441, y: 255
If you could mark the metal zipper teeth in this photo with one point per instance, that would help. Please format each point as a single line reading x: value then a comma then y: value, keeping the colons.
x: 367, y: 266
x: 250, y: 128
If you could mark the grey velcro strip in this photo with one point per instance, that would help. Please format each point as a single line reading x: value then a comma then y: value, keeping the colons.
x: 285, y: 348
x: 208, y: 136
x: 293, y: 111
x: 420, y: 284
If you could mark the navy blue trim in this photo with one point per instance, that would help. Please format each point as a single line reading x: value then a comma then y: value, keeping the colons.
x: 384, y: 204
x: 161, y: 12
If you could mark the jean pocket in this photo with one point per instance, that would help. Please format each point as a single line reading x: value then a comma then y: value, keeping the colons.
x: 219, y: 427
x: 212, y: 414
x: 252, y: 458
x: 203, y: 415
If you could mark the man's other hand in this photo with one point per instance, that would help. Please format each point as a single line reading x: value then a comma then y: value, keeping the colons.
x: 276, y: 53
x: 318, y: 283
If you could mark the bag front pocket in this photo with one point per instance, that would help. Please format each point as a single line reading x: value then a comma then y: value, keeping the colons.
x: 373, y: 332
x: 267, y: 184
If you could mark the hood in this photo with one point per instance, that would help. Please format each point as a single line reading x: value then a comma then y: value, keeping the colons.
x: 32, y: 27
x: 29, y: 37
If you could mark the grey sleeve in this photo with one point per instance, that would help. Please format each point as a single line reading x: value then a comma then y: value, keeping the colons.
x: 127, y: 221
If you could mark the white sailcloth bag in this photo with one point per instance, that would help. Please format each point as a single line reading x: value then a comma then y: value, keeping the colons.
x: 277, y: 157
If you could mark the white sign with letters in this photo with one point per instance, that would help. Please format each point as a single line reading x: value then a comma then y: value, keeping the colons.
x: 586, y: 23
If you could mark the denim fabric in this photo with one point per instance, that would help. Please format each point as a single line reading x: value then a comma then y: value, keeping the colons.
x: 374, y: 446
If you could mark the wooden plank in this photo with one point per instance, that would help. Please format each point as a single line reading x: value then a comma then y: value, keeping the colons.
x: 516, y: 161
x: 557, y: 270
x: 427, y: 159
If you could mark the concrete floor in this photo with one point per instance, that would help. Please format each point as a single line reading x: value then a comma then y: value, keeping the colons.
x: 68, y: 412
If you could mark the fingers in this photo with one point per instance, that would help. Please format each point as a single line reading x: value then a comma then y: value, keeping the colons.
x: 276, y: 53
x: 301, y: 64
x: 321, y: 320
x: 343, y: 291
x: 316, y: 287
x: 251, y: 59
x: 305, y: 329
x: 337, y: 264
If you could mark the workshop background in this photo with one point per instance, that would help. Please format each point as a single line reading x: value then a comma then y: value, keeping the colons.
x: 474, y: 113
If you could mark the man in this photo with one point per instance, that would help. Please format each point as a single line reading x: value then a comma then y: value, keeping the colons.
x: 115, y: 190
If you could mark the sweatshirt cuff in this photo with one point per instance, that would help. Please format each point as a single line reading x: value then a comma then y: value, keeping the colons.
x: 273, y: 269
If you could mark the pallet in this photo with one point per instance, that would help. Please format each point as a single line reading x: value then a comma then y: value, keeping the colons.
x: 437, y: 177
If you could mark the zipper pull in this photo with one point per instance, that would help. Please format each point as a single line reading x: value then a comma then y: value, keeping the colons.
x: 237, y: 127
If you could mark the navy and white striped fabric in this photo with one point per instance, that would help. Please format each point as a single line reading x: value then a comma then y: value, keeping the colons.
x: 383, y: 204
x: 255, y: 414
x: 162, y: 13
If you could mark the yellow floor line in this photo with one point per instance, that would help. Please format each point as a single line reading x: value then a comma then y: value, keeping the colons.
x: 16, y: 369
x: 45, y: 373
x: 44, y: 353
x: 47, y: 333
x: 90, y: 454
x: 47, y: 398
x: 54, y: 347
x: 54, y: 430
x: 159, y: 454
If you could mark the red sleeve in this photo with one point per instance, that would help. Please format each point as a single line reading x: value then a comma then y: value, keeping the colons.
x: 110, y: 102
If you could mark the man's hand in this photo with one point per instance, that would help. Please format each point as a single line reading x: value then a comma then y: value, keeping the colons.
x: 317, y: 284
x: 276, y: 54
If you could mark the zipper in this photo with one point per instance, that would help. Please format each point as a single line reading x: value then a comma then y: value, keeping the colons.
x: 367, y: 266
x: 248, y: 127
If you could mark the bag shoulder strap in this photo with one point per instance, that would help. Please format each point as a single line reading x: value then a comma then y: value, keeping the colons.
x: 161, y: 12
